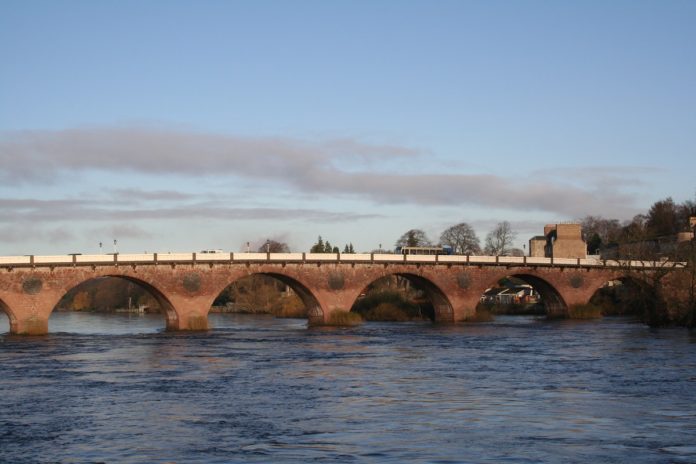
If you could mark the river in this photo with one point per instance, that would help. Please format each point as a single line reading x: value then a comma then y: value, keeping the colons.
x: 117, y: 388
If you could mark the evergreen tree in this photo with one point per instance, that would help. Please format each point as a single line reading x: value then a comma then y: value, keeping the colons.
x: 318, y: 247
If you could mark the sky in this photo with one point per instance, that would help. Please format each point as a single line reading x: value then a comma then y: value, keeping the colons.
x: 190, y: 125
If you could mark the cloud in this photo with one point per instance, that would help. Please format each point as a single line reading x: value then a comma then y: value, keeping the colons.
x: 20, y: 234
x: 29, y: 211
x: 121, y: 230
x: 342, y: 167
x: 30, y: 155
x: 138, y: 195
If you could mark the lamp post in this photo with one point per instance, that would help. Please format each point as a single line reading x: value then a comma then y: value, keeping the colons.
x: 100, y: 247
x: 115, y: 247
x: 268, y: 246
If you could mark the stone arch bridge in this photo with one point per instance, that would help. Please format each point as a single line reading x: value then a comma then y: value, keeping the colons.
x: 186, y: 284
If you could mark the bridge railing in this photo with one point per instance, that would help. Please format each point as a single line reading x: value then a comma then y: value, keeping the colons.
x: 176, y: 258
x: 15, y: 260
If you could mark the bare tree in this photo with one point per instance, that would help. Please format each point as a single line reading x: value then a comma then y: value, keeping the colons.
x: 413, y: 238
x: 600, y: 233
x: 462, y: 239
x: 499, y: 240
x: 274, y: 246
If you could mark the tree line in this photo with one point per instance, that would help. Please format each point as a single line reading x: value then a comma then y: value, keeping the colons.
x: 645, y: 236
x: 461, y: 238
x: 638, y: 238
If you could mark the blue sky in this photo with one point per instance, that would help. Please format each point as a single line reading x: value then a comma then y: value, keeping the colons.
x: 178, y: 126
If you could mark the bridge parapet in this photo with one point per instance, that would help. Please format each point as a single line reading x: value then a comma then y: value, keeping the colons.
x: 192, y: 258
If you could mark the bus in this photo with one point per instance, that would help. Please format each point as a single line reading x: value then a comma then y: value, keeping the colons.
x: 424, y: 250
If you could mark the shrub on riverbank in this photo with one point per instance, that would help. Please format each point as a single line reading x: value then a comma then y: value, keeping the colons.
x: 290, y: 307
x: 342, y: 319
x: 386, y: 312
x: 482, y: 314
x: 585, y: 311
x: 389, y: 305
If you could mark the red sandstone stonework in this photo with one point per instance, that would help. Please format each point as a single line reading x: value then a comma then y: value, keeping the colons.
x: 186, y: 292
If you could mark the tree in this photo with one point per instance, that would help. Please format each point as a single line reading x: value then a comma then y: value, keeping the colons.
x: 663, y: 218
x: 499, y: 240
x: 318, y: 247
x: 600, y: 233
x: 634, y: 238
x: 82, y: 300
x: 274, y: 246
x: 323, y: 246
x: 462, y: 239
x: 413, y: 238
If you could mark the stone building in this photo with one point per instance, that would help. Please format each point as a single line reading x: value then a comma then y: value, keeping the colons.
x: 559, y: 241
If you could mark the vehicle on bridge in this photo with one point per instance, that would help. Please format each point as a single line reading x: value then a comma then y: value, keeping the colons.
x: 431, y: 250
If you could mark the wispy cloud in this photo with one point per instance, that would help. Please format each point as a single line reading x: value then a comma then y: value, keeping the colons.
x: 13, y: 211
x: 133, y: 194
x: 21, y: 234
x: 30, y: 155
x: 336, y: 167
x: 124, y: 230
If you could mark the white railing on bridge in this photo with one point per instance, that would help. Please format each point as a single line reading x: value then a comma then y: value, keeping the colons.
x: 96, y: 258
x: 174, y: 258
x: 15, y: 260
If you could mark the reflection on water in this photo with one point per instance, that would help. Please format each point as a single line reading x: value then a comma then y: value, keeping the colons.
x: 116, y: 388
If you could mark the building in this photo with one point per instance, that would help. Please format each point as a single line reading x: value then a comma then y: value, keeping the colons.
x: 559, y: 241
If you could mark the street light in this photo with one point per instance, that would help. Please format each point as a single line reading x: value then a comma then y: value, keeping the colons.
x: 268, y: 246
x: 115, y: 248
x: 100, y: 247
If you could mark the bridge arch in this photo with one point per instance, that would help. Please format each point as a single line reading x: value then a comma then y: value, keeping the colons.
x: 11, y: 319
x: 552, y: 299
x: 442, y: 307
x: 166, y: 306
x: 315, y: 311
x: 628, y: 295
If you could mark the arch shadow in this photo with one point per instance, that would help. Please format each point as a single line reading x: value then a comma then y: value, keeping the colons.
x: 166, y: 307
x: 626, y: 295
x: 315, y: 313
x: 554, y: 304
x: 442, y: 310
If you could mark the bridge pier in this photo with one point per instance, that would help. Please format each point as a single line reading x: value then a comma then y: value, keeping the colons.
x: 32, y: 325
x: 326, y: 302
x: 464, y: 306
x: 28, y: 314
x: 186, y: 313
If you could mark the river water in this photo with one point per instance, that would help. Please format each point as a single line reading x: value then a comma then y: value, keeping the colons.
x: 114, y: 388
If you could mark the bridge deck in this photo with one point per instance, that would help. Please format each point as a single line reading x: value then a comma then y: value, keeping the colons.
x: 356, y: 258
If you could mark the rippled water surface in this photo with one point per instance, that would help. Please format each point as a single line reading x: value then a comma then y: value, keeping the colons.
x: 115, y: 388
